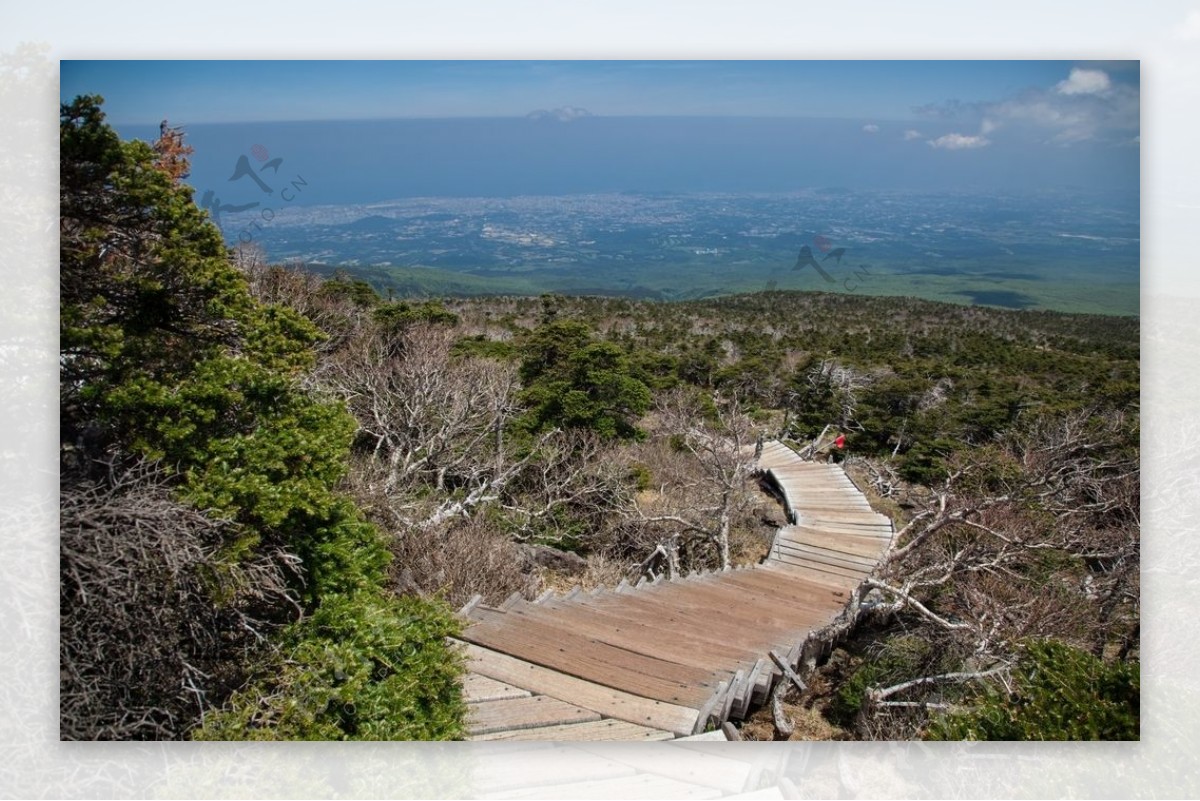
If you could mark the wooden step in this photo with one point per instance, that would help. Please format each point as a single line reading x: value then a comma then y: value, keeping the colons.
x: 810, y: 573
x: 825, y: 566
x: 600, y: 698
x: 863, y: 563
x: 524, y: 713
x: 477, y: 688
x: 788, y: 589
x: 596, y: 661
x: 862, y: 529
x: 867, y: 547
x: 702, y: 622
x: 754, y: 608
x: 797, y: 591
x: 647, y: 625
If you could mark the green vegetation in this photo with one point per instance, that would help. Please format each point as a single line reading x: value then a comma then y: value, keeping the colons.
x: 1060, y: 693
x: 573, y: 382
x: 167, y: 357
x: 1071, y: 287
x: 918, y: 379
x: 895, y: 660
x: 364, y: 668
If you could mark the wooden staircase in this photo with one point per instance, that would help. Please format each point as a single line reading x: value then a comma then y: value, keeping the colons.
x: 667, y: 659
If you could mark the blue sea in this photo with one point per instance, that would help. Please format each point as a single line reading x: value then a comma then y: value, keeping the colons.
x: 367, y: 161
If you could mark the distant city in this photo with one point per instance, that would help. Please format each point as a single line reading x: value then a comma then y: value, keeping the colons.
x: 1049, y: 250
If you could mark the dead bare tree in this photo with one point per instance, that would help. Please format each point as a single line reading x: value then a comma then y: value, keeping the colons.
x: 438, y: 446
x: 426, y: 415
x: 576, y: 478
x: 460, y: 559
x: 1036, y: 536
x: 156, y: 620
x: 882, y: 477
x: 845, y: 384
x: 705, y: 505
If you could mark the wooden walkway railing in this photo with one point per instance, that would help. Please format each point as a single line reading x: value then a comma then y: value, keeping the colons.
x: 666, y: 659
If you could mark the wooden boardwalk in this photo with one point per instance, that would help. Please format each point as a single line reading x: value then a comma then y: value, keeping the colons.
x: 666, y: 659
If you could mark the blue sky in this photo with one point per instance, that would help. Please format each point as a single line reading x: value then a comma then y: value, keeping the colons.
x: 259, y: 91
x: 768, y: 125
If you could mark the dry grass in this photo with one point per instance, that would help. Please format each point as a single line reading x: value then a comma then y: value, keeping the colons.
x: 808, y: 722
x: 601, y: 571
x: 460, y: 559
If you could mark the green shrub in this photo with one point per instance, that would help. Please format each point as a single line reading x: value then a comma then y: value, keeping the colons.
x: 363, y: 667
x: 900, y: 659
x: 1059, y: 693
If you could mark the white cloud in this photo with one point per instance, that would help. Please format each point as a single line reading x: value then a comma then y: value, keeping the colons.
x: 1084, y: 82
x: 1073, y: 118
x: 564, y: 114
x: 911, y: 134
x: 1189, y: 31
x: 1086, y: 106
x: 871, y: 128
x: 957, y: 141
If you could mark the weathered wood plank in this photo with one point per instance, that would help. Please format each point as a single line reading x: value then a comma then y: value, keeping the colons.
x: 863, y: 527
x: 648, y: 636
x: 790, y: 589
x: 788, y: 673
x: 469, y: 605
x: 682, y: 611
x: 869, y: 548
x: 844, y: 517
x: 595, y: 660
x: 863, y: 563
x: 709, y: 708
x: 787, y: 557
x: 819, y: 562
x: 745, y: 602
x: 735, y: 685
x: 477, y: 688
x: 863, y: 533
x: 685, y: 614
x: 842, y: 583
x: 524, y: 713
x: 648, y: 619
x: 511, y: 601
x: 868, y: 524
x: 701, y: 623
x: 876, y: 537
x: 834, y: 584
x: 603, y: 699
x: 746, y: 699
